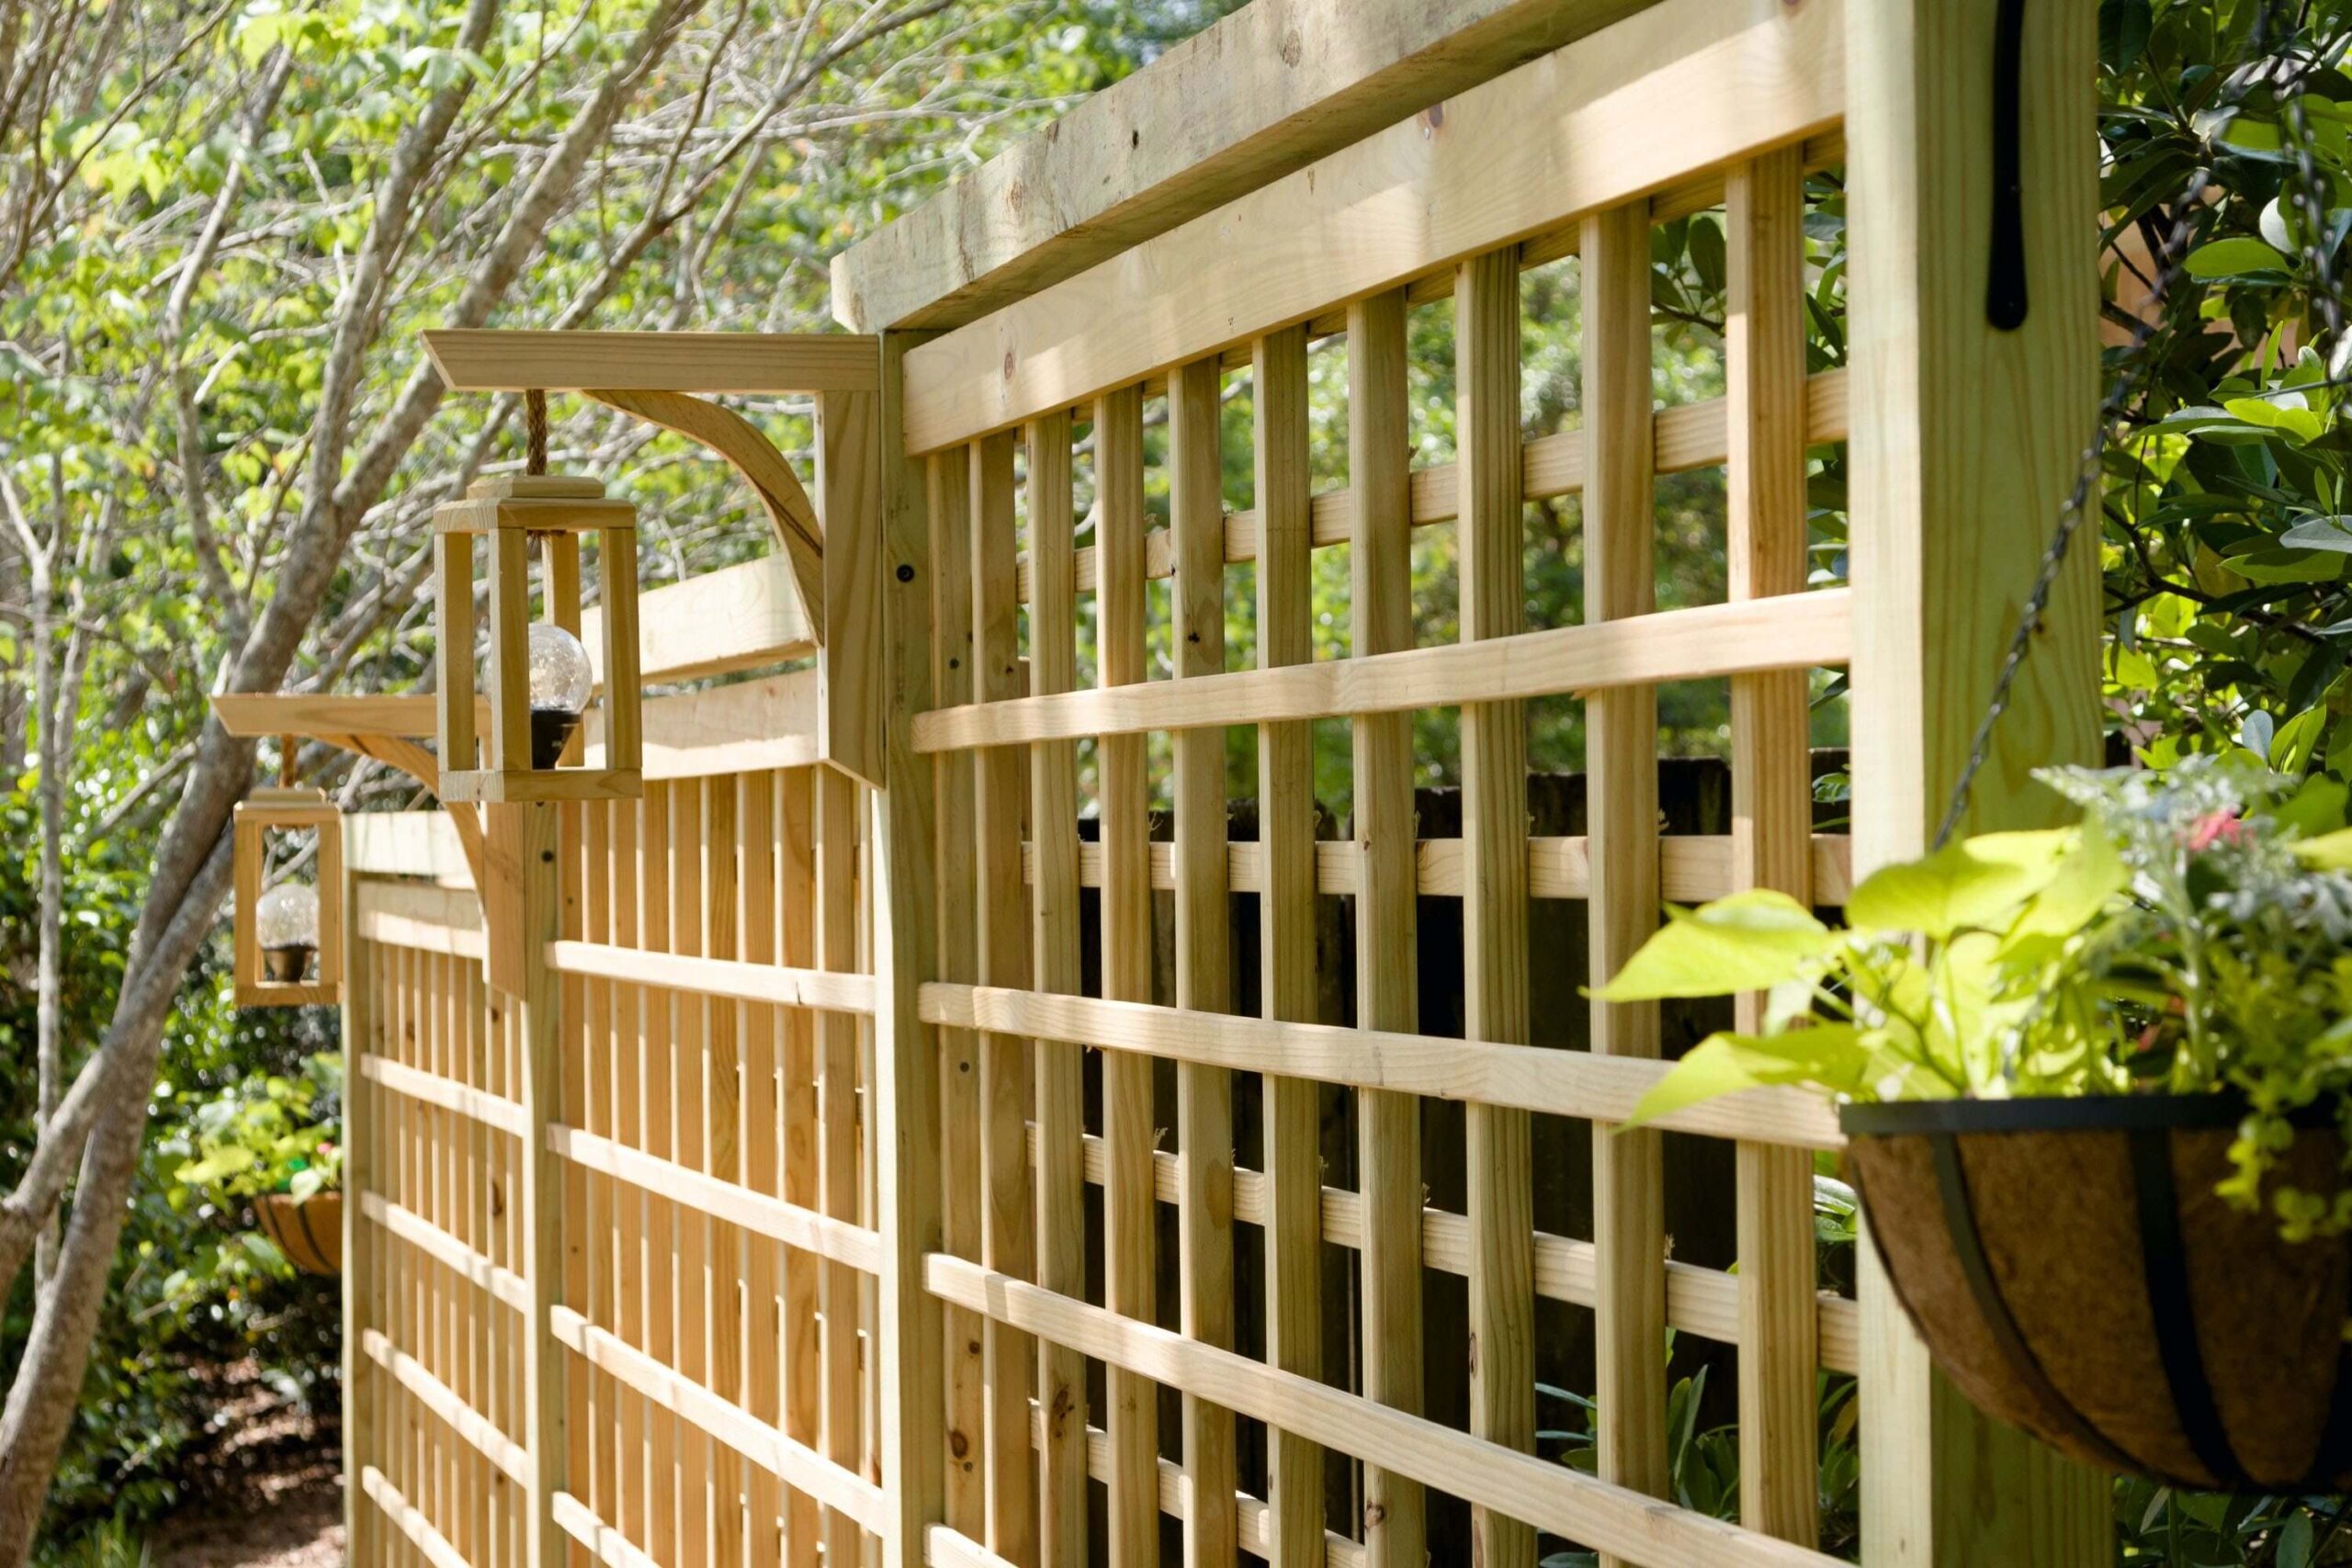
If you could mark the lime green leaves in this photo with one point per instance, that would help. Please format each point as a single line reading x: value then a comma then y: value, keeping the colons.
x: 1748, y: 942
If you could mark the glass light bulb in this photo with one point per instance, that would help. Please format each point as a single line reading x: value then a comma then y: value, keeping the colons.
x: 287, y: 916
x: 559, y: 673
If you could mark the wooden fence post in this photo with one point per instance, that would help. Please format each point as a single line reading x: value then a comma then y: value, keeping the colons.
x: 906, y: 1086
x: 361, y: 1523
x: 1966, y: 433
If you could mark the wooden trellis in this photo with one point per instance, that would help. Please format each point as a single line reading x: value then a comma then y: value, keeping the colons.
x: 809, y: 1196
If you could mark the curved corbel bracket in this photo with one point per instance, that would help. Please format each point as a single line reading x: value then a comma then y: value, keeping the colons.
x: 421, y: 765
x: 740, y: 443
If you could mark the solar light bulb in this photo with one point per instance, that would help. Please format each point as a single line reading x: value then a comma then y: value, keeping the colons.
x: 286, y: 926
x: 561, y: 681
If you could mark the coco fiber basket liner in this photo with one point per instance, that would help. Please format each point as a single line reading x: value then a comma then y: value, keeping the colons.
x: 308, y: 1230
x: 2072, y: 1271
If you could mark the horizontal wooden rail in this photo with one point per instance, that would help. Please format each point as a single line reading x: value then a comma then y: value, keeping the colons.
x: 471, y: 1425
x: 410, y: 1520
x: 576, y: 1519
x: 1694, y: 436
x: 827, y: 991
x: 747, y: 727
x: 502, y: 1284
x: 1796, y: 631
x: 796, y: 1464
x: 1530, y: 1077
x: 1692, y: 867
x: 1252, y: 1519
x: 430, y: 1088
x: 423, y: 936
x: 1701, y: 1301
x: 945, y: 1547
x: 1547, y: 1494
x: 837, y: 1241
x: 745, y: 617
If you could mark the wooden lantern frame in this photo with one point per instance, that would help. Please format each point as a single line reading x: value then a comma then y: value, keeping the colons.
x: 509, y: 512
x: 276, y: 808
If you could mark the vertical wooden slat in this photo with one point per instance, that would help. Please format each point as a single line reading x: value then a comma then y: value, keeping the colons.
x: 959, y: 1066
x: 763, y: 1327
x: 1203, y: 949
x: 803, y: 1392
x: 362, y: 1269
x: 1621, y: 784
x: 690, y: 1060
x: 911, y: 1395
x: 595, y: 1045
x: 1493, y: 897
x: 722, y: 1107
x: 1293, y: 1128
x: 1380, y: 561
x: 1772, y: 821
x: 1128, y: 1132
x: 1053, y: 913
x: 835, y: 798
x: 452, y: 653
x: 658, y: 1068
x: 632, y: 1261
x: 1008, y: 1220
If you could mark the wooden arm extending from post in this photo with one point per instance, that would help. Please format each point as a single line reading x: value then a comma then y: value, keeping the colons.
x: 649, y: 376
x: 384, y: 728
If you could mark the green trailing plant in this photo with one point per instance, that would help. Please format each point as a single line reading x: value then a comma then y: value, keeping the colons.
x: 270, y: 1133
x: 2192, y: 934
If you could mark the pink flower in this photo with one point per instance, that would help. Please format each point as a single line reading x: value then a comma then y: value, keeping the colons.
x: 2215, y: 826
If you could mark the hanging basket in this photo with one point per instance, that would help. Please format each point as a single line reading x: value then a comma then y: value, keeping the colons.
x: 308, y: 1230
x: 2074, y: 1271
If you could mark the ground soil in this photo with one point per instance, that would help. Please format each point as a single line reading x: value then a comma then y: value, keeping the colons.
x: 268, y: 1494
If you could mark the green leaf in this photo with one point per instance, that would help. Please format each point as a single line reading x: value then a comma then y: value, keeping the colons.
x: 1978, y: 882
x: 2320, y: 534
x: 2291, y: 748
x: 2329, y: 852
x: 1828, y: 1056
x: 2240, y: 256
x: 1748, y: 942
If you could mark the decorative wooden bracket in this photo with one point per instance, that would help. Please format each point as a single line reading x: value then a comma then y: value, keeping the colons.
x: 749, y: 453
x: 384, y: 728
x: 651, y: 375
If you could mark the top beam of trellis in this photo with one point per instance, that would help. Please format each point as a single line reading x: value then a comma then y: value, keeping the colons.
x: 1265, y: 91
x: 489, y: 360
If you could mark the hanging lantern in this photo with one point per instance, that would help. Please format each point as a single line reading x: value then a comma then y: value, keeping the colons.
x: 536, y: 676
x: 288, y: 938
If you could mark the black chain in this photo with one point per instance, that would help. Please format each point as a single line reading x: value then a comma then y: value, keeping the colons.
x: 2137, y: 366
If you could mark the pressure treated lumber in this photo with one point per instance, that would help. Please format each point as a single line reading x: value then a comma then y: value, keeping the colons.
x: 476, y: 359
x: 1551, y: 1495
x: 1251, y: 97
x: 1705, y: 642
x: 1569, y: 133
x: 1767, y: 539
x: 738, y: 617
x: 1966, y: 441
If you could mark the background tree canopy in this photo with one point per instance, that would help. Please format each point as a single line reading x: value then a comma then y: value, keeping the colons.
x: 221, y: 227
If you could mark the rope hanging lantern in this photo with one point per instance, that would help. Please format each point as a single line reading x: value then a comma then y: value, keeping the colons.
x: 288, y: 938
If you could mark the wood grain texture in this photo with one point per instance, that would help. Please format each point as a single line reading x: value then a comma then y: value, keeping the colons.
x: 1203, y: 950
x: 1129, y: 1128
x: 1252, y: 97
x: 1621, y: 812
x: 957, y: 921
x: 906, y: 890
x: 1055, y: 932
x: 1286, y: 938
x: 738, y: 617
x: 1568, y: 133
x: 1946, y: 536
x: 1380, y: 601
x: 1771, y: 781
x: 474, y: 359
x: 1494, y: 895
x: 1001, y: 901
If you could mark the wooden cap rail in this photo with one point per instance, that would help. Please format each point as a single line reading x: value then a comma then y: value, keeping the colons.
x: 1573, y: 132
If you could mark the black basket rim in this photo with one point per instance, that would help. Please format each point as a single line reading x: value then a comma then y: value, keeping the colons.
x: 2078, y: 1113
